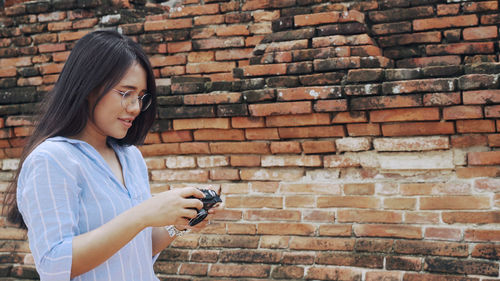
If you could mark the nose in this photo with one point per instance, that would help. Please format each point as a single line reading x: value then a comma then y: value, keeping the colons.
x: 134, y: 107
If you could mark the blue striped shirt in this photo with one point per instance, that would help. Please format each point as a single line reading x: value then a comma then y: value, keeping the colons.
x: 65, y: 188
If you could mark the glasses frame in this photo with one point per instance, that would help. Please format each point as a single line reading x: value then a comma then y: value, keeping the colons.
x: 140, y: 99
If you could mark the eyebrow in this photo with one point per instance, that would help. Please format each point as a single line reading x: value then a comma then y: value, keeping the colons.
x: 131, y: 87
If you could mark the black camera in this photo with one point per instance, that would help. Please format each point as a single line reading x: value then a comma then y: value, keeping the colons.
x: 210, y: 200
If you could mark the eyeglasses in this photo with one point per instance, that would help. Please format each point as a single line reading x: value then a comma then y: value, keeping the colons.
x: 129, y: 99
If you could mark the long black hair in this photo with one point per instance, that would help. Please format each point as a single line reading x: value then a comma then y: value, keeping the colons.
x: 97, y: 63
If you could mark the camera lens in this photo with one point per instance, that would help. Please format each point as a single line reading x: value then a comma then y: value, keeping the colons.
x: 202, y: 214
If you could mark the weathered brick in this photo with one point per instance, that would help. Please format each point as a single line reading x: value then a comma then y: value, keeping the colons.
x: 401, y: 14
x: 483, y: 158
x: 418, y: 129
x: 479, y: 33
x: 291, y: 161
x: 352, y: 144
x: 492, y: 111
x: 475, y: 126
x: 480, y: 6
x: 430, y: 61
x: 454, y: 266
x: 411, y: 144
x: 413, y: 38
x: 194, y: 10
x: 239, y: 148
x: 262, y: 134
x: 381, y: 102
x: 168, y: 24
x: 462, y: 112
x: 201, y: 123
x: 445, y: 22
x: 460, y: 48
x: 384, y: 230
x: 281, y: 108
x: 311, y: 132
x: 413, y: 114
x: 356, y: 130
x: 441, y: 99
x: 424, y: 85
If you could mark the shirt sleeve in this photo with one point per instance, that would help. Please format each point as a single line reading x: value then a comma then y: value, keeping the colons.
x: 48, y: 201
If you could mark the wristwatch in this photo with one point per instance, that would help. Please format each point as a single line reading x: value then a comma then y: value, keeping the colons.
x: 173, y: 231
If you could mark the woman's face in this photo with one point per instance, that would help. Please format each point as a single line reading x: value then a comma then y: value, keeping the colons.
x: 111, y: 119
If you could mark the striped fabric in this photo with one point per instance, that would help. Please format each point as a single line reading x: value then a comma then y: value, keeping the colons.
x: 65, y: 189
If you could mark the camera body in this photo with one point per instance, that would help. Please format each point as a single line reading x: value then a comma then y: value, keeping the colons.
x: 210, y: 200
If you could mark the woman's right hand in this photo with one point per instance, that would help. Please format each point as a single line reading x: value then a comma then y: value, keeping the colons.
x: 173, y: 207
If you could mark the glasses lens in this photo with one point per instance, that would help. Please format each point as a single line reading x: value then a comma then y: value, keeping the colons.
x: 145, y: 101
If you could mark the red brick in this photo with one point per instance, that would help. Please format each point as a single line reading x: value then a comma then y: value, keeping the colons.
x: 194, y: 148
x: 492, y: 111
x: 285, y: 229
x: 484, y: 158
x: 218, y: 43
x: 481, y: 96
x: 212, y: 98
x: 201, y: 56
x: 224, y: 174
x: 449, y: 9
x: 159, y: 149
x: 262, y: 134
x: 460, y: 48
x: 412, y: 114
x: 263, y: 70
x: 475, y: 126
x: 177, y: 47
x: 454, y: 203
x: 384, y: 230
x: 483, y: 6
x: 8, y: 72
x: 60, y: 56
x: 309, y: 93
x: 478, y: 33
x: 168, y: 24
x: 462, y: 141
x: 206, y: 20
x: 218, y: 134
x: 260, y: 16
x: 368, y: 129
x: 418, y: 128
x: 195, y: 10
x: 482, y: 235
x: 445, y: 22
x: 239, y: 148
x: 72, y: 36
x: 471, y: 217
x: 210, y: 67
x: 168, y: 71
x: 255, y: 5
x: 478, y: 172
x: 286, y: 147
x: 245, y: 160
x: 248, y: 122
x: 51, y: 68
x: 438, y: 233
x: 310, y: 147
x: 49, y: 48
x: 203, y: 33
x: 369, y: 216
x: 332, y: 273
x: 322, y: 18
x: 58, y: 26
x: 494, y: 140
x: 311, y: 132
x: 232, y: 30
x: 298, y: 120
x: 287, y: 46
x: 252, y: 41
x: 85, y: 23
x: 201, y: 123
x: 462, y: 112
x: 330, y: 105
x: 233, y: 54
x: 280, y: 108
x: 238, y: 271
x: 167, y: 60
x: 350, y: 117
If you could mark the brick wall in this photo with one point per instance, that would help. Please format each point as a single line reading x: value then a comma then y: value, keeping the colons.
x: 352, y: 140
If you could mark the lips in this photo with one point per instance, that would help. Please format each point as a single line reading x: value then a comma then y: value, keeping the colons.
x: 127, y: 122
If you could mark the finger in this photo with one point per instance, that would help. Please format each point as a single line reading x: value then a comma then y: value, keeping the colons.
x: 193, y: 203
x: 191, y: 191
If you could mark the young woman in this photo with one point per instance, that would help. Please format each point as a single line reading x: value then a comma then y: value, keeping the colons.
x: 82, y: 188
